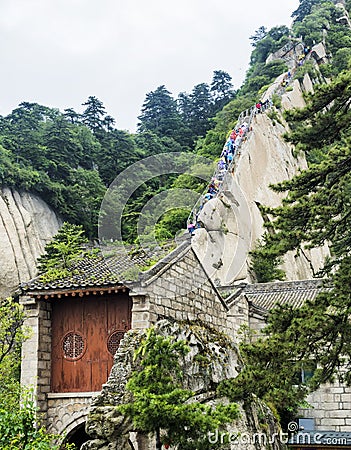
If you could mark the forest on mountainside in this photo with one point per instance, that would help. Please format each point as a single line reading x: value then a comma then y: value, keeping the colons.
x: 69, y: 159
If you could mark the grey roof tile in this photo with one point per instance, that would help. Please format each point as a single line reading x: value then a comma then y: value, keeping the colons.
x: 99, y: 271
x: 293, y: 293
x: 266, y: 296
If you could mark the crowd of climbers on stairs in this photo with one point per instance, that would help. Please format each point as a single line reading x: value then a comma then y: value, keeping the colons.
x: 238, y: 135
x: 230, y: 154
x: 231, y: 151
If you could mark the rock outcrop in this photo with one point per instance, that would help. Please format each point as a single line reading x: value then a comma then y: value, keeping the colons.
x: 27, y: 224
x: 213, y: 357
x: 232, y: 223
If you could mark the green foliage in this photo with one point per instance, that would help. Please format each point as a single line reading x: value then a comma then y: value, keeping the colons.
x: 11, y: 333
x: 66, y: 247
x: 221, y: 89
x: 274, y: 116
x: 319, y: 333
x: 271, y: 369
x: 83, y: 197
x: 187, y: 181
x: 304, y: 9
x: 162, y: 406
x: 277, y: 102
x: 19, y: 428
x: 69, y: 159
x: 260, y: 34
x: 326, y: 70
x: 319, y: 22
x: 14, y: 174
x: 338, y: 37
x: 117, y: 151
x: 211, y: 145
x: 159, y: 113
x: 325, y: 119
x: 341, y: 60
x: 265, y: 264
x: 312, y: 26
x: 275, y: 39
x: 170, y: 223
x: 45, y: 152
x: 307, y: 68
x: 202, y: 109
x: 93, y: 113
x: 262, y: 74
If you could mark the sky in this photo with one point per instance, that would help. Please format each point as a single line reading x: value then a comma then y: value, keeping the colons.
x: 59, y: 52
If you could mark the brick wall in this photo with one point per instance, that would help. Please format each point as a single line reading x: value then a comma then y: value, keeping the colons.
x: 330, y: 407
x: 36, y: 350
x: 67, y: 411
x: 178, y: 287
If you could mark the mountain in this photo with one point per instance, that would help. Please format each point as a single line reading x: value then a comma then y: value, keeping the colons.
x: 27, y: 225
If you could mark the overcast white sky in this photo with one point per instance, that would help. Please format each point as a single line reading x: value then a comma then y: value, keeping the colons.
x: 59, y: 52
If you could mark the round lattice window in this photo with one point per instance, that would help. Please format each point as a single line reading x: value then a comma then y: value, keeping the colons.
x: 114, y: 341
x: 73, y: 345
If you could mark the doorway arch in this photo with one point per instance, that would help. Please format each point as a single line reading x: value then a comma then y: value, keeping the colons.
x: 77, y: 436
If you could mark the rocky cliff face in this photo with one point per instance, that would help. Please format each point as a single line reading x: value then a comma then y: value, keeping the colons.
x: 232, y: 222
x: 26, y: 225
x: 110, y: 430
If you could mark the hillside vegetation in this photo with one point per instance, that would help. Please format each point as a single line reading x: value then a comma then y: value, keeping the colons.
x: 70, y: 158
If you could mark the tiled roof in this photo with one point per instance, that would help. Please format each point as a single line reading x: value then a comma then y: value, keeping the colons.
x: 294, y: 293
x: 266, y: 296
x: 101, y: 271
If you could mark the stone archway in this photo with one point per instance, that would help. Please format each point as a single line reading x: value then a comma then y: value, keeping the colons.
x: 76, y: 434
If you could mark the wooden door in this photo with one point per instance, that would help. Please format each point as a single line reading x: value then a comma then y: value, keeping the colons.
x: 85, y: 335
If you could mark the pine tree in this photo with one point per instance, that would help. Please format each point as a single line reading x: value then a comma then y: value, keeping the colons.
x: 159, y: 113
x: 202, y: 109
x: 161, y: 405
x: 221, y: 89
x: 68, y: 245
x: 304, y: 9
x: 93, y: 115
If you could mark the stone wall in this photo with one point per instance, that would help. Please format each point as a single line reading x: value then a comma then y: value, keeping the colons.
x: 238, y: 313
x: 36, y: 351
x: 330, y: 408
x: 178, y: 287
x: 66, y: 411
